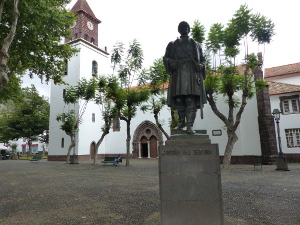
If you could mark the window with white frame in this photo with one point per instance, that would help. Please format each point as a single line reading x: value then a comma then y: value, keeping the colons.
x: 292, y: 137
x: 289, y: 104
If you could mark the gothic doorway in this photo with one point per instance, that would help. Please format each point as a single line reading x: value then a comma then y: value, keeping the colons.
x: 92, y: 150
x: 144, y: 148
x: 146, y: 139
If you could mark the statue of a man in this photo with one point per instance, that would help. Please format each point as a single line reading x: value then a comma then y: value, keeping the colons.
x: 185, y: 63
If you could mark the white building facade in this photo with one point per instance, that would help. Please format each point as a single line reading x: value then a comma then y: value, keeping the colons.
x: 285, y: 95
x: 88, y: 62
x: 145, y: 135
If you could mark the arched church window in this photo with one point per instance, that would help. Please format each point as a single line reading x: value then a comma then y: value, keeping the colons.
x: 94, y: 68
x: 86, y: 37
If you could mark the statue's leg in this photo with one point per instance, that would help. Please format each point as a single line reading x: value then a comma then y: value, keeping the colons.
x: 191, y: 111
x: 180, y: 106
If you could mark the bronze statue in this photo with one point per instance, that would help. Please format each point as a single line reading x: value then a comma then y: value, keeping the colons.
x: 185, y: 63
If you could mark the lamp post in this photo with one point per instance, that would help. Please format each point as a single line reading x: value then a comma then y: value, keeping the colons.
x: 281, y: 160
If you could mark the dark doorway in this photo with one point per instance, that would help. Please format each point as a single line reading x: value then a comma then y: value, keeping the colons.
x: 144, y: 151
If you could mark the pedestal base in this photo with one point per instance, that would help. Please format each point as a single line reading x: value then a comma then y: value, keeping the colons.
x: 74, y: 159
x: 282, y: 163
x: 190, y: 182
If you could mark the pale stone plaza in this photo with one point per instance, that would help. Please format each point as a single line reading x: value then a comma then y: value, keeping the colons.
x: 57, y: 193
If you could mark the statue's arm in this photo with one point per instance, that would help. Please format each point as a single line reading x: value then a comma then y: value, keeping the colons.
x: 169, y: 61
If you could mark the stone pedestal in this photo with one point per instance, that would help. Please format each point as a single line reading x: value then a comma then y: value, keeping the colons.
x: 190, y: 181
x: 73, y: 159
x: 282, y: 163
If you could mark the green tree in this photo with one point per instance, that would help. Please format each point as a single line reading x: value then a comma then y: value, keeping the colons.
x: 198, y: 32
x: 225, y: 79
x: 108, y: 111
x: 11, y: 91
x: 70, y: 126
x: 157, y: 79
x: 26, y: 118
x: 30, y: 34
x: 126, y: 97
x: 86, y: 91
x: 215, y: 42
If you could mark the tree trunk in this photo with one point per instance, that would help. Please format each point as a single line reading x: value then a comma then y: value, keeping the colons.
x: 98, y: 145
x: 29, y: 148
x: 160, y: 126
x: 128, y: 143
x: 232, y: 138
x: 174, y: 122
x: 6, y: 45
x: 229, y: 123
x: 72, y: 145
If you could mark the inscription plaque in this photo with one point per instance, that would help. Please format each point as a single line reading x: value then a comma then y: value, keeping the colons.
x: 188, y: 152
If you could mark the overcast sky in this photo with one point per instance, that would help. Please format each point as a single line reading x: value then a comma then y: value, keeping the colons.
x: 154, y: 23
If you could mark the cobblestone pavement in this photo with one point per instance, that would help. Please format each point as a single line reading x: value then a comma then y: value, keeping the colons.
x: 57, y: 193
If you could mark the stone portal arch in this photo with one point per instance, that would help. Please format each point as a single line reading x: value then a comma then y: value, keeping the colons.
x: 146, y: 136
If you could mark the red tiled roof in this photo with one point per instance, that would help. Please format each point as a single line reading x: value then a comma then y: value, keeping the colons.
x: 282, y: 70
x: 82, y: 5
x: 162, y: 86
x: 277, y: 88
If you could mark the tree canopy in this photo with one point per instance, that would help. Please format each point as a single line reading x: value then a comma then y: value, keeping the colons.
x: 120, y: 88
x: 224, y: 43
x: 35, y: 46
x: 27, y: 118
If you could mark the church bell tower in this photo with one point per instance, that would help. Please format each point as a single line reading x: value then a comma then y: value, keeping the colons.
x: 90, y: 61
x: 86, y: 25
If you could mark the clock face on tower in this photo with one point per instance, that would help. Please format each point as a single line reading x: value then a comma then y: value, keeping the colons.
x: 90, y: 25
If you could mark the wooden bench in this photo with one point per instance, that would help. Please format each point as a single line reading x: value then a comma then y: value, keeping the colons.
x: 35, y: 158
x: 110, y: 159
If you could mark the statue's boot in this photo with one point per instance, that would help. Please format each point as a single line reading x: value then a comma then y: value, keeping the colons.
x: 181, y: 115
x: 190, y: 118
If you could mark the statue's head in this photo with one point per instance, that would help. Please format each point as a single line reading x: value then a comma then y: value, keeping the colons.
x: 184, y: 28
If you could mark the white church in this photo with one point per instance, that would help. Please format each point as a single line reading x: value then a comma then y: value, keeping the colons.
x: 256, y: 132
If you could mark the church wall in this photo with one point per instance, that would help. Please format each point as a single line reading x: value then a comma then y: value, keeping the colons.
x: 115, y: 142
x: 248, y: 136
x: 91, y: 131
x: 247, y: 145
x: 79, y: 66
x: 58, y: 107
x: 249, y: 130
